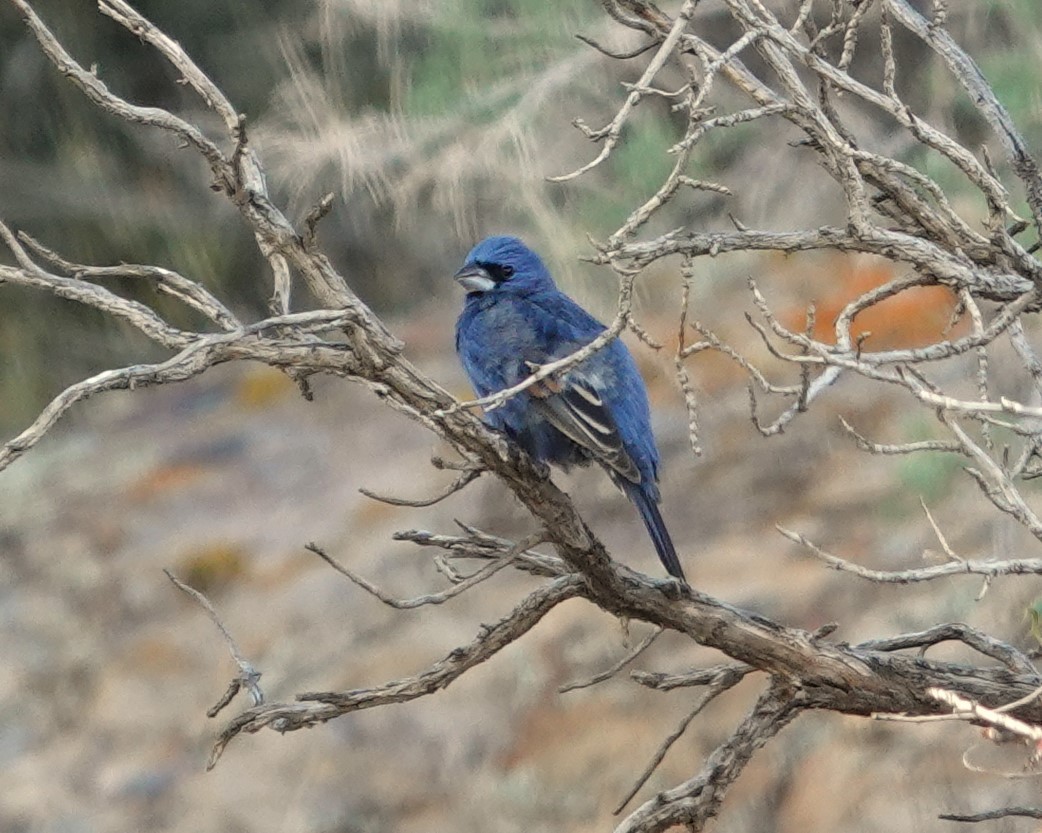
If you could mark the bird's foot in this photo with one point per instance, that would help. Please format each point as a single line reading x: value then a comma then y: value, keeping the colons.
x: 673, y: 588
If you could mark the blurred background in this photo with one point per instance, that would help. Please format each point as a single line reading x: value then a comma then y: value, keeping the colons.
x: 436, y: 123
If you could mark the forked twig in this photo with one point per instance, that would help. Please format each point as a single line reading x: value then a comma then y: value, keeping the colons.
x: 248, y: 676
x: 463, y: 586
x: 615, y: 667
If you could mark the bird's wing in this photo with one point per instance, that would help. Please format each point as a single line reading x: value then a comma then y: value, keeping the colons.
x: 576, y: 404
x: 578, y: 411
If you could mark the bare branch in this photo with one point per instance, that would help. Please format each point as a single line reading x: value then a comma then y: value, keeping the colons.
x: 131, y: 312
x: 248, y: 677
x: 613, y: 131
x: 318, y: 708
x: 928, y: 258
x: 201, y: 353
x: 456, y: 485
x: 1011, y: 567
x: 211, y: 94
x: 996, y: 649
x: 484, y: 547
x: 190, y: 362
x: 868, y: 445
x: 96, y: 91
x: 983, y: 97
x: 942, y: 540
x: 615, y: 667
x: 696, y: 801
x: 725, y: 680
x: 166, y: 280
x: 969, y: 710
x: 991, y: 815
x: 702, y: 676
x: 463, y: 586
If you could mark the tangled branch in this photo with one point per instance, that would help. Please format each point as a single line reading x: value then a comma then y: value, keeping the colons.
x: 805, y: 78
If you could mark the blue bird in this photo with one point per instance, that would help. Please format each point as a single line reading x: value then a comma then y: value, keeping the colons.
x: 514, y: 320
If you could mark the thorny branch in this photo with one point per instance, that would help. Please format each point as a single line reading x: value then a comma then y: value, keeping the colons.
x: 804, y: 75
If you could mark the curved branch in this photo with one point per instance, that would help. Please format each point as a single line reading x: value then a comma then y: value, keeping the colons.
x: 187, y: 291
x: 462, y: 586
x: 465, y: 478
x: 136, y: 314
x: 1010, y: 567
x: 915, y: 251
x: 615, y: 667
x: 996, y: 649
x: 992, y: 815
x: 725, y: 680
x: 96, y: 91
x: 320, y: 707
x: 696, y: 801
x: 612, y: 133
x: 965, y: 69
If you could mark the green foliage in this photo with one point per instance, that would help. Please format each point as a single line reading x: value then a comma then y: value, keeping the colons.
x: 635, y: 170
x: 101, y: 191
x: 1017, y: 89
x: 1034, y: 615
x: 928, y: 475
x: 457, y: 56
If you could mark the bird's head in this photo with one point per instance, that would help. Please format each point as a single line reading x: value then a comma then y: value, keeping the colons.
x: 503, y: 264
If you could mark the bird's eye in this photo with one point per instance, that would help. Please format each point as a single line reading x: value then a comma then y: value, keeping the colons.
x: 507, y: 271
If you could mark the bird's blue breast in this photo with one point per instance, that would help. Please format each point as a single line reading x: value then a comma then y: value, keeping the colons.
x: 496, y: 334
x: 494, y: 339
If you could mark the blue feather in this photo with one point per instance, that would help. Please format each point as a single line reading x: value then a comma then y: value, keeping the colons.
x: 514, y: 317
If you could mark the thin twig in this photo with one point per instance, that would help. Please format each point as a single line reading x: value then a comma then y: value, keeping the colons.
x: 456, y: 485
x: 1010, y: 567
x: 614, y: 668
x: 248, y: 677
x: 473, y: 580
x: 725, y: 680
x: 313, y: 708
x: 992, y: 815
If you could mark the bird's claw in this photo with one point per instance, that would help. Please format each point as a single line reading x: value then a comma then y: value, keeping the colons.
x: 673, y: 588
x: 542, y: 468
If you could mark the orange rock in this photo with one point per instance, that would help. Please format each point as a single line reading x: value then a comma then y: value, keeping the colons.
x: 912, y: 318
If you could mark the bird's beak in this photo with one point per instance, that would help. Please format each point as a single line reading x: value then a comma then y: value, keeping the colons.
x: 475, y: 279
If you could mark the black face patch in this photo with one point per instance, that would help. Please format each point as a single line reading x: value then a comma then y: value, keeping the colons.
x: 498, y: 271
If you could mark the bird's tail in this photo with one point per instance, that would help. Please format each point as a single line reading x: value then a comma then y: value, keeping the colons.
x: 652, y: 518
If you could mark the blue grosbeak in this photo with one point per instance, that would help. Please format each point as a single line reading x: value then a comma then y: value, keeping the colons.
x: 515, y: 319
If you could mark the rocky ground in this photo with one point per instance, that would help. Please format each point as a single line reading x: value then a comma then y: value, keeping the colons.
x: 108, y: 670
